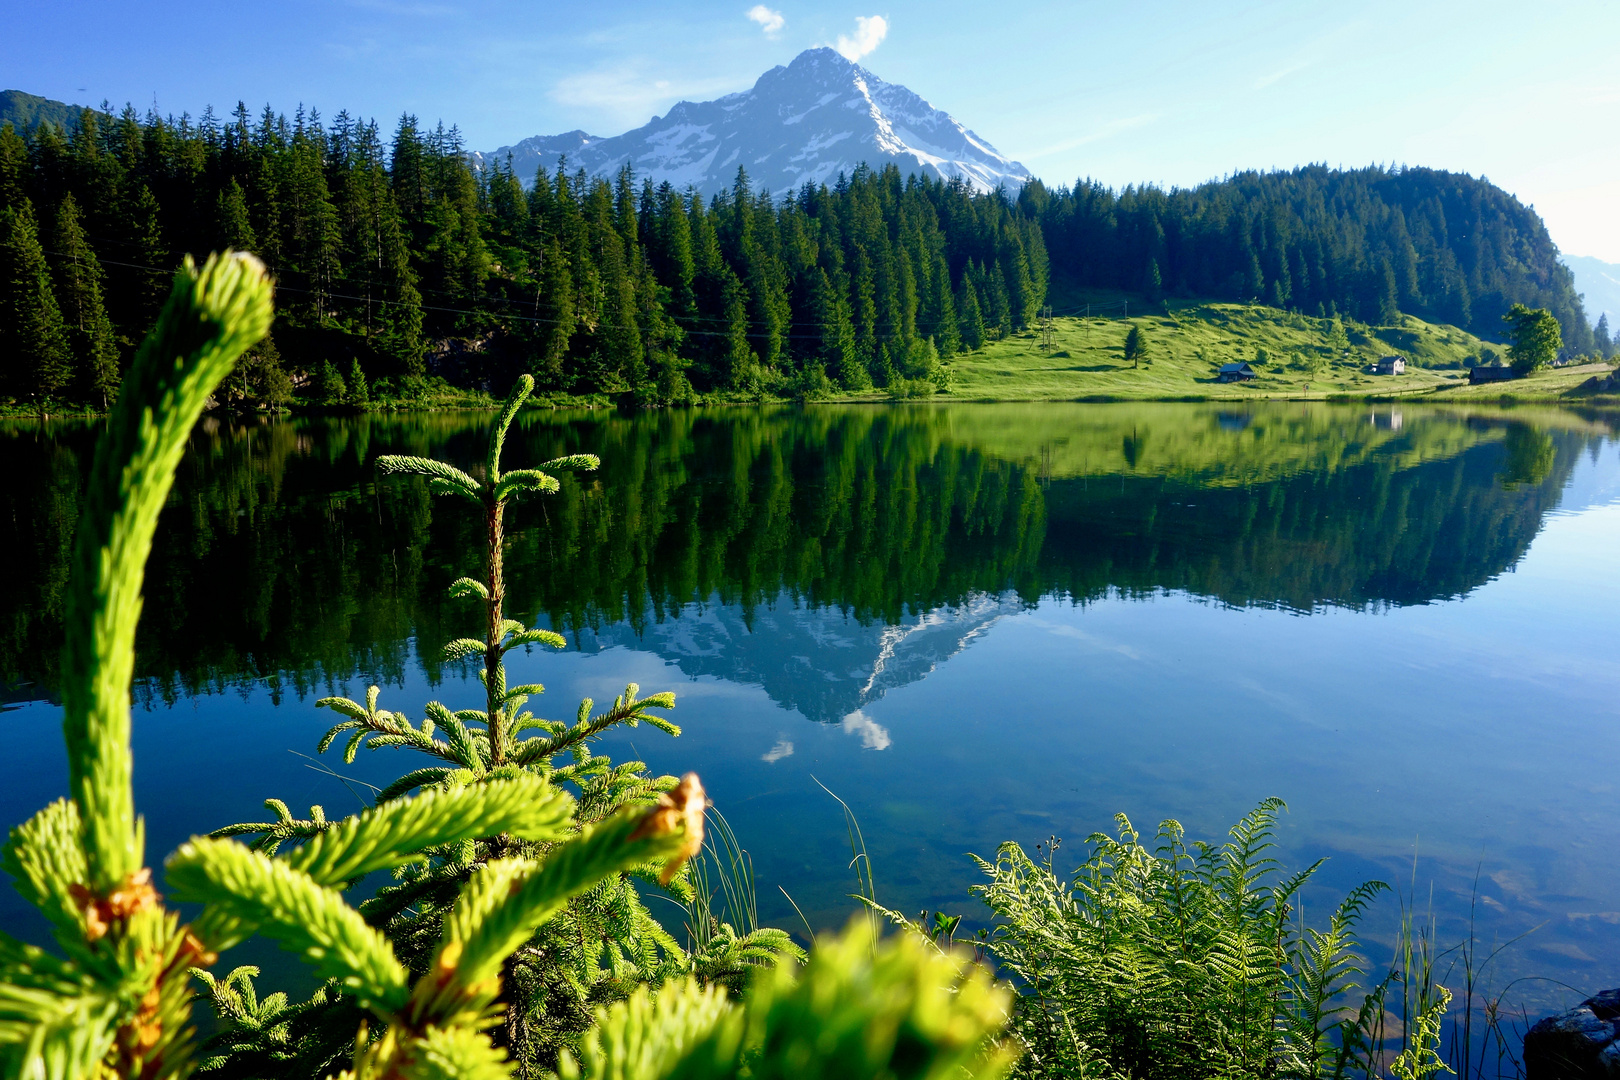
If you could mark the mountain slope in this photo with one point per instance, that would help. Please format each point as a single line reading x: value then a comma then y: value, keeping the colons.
x: 818, y: 117
x: 23, y: 111
x: 1600, y: 282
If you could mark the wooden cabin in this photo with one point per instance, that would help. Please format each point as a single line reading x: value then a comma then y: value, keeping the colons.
x: 1490, y: 374
x: 1390, y: 365
x: 1239, y: 371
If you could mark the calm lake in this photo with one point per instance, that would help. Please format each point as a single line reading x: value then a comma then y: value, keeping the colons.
x: 973, y: 623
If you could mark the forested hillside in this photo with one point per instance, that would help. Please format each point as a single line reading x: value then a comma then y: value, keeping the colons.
x: 397, y: 262
x: 384, y: 250
x: 1367, y: 243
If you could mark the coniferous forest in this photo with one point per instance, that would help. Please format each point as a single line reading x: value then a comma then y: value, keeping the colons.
x: 397, y: 261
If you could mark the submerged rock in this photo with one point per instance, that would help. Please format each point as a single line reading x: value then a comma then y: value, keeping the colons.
x: 1575, y: 1045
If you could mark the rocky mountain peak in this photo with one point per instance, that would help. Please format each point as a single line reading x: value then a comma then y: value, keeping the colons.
x: 817, y: 117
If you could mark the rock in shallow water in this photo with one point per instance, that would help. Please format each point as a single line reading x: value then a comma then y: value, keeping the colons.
x: 1576, y: 1045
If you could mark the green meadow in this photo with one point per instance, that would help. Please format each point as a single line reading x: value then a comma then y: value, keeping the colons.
x: 1294, y: 356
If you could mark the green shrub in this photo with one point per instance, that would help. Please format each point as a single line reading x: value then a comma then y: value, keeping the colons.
x: 1186, y: 961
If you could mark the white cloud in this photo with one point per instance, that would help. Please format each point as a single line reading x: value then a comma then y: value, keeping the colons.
x: 627, y: 93
x: 874, y: 736
x: 782, y: 749
x: 870, y: 31
x: 769, y: 21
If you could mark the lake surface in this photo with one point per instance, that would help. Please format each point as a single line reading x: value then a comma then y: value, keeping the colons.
x: 974, y: 623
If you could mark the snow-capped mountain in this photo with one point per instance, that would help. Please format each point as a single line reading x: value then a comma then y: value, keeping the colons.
x: 818, y: 661
x: 811, y: 120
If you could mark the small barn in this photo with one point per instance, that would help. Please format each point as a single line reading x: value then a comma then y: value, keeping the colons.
x: 1490, y: 374
x: 1239, y: 371
x: 1391, y: 365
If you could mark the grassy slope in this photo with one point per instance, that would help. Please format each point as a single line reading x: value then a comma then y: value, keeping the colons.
x: 1193, y: 339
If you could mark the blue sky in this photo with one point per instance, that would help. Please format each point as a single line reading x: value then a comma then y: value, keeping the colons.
x: 1527, y: 94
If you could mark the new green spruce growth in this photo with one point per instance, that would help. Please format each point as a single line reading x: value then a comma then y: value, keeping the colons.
x: 597, y: 946
x: 898, y: 1009
x: 501, y: 635
x: 116, y: 1001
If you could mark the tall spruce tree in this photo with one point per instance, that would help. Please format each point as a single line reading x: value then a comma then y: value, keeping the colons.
x: 78, y: 281
x: 970, y: 314
x: 33, y: 340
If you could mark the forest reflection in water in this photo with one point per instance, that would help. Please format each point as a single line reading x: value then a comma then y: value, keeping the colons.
x: 976, y: 622
x: 282, y: 557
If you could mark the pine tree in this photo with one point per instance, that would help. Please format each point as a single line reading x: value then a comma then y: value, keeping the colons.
x: 1605, y: 343
x: 358, y: 391
x: 1389, y: 301
x: 971, y: 316
x: 1136, y: 346
x: 33, y: 340
x: 78, y: 290
x: 141, y: 285
x: 330, y: 388
x: 13, y: 166
x: 233, y: 227
x: 495, y: 854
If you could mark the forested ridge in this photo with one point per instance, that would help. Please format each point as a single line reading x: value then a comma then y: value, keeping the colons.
x: 1368, y: 243
x: 397, y: 261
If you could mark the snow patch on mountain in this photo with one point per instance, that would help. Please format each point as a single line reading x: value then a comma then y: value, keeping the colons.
x: 817, y: 117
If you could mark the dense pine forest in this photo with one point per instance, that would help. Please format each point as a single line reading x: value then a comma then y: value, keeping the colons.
x: 1366, y: 243
x: 398, y: 263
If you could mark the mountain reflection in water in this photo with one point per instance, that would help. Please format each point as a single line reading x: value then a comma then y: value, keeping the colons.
x: 283, y: 558
x: 974, y: 622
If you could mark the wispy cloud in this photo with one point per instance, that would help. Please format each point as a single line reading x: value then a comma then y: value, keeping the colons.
x: 1108, y: 130
x: 874, y: 736
x: 769, y: 21
x: 782, y: 749
x: 627, y: 92
x: 870, y: 30
x: 1281, y: 73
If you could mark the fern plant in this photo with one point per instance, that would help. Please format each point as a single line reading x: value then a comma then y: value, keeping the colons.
x: 1188, y: 960
x: 113, y: 1001
x: 603, y: 943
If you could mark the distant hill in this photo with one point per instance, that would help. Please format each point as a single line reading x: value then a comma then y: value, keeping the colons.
x: 23, y: 111
x: 819, y: 116
x: 1370, y: 243
x: 1600, y: 281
